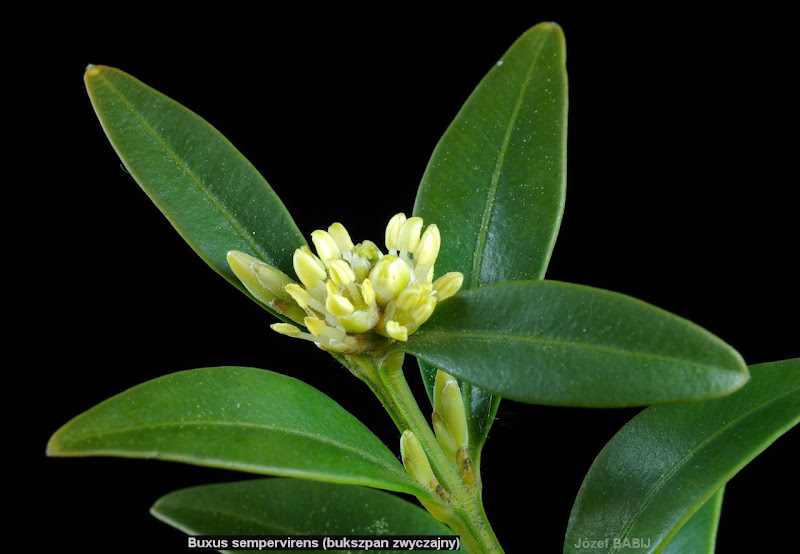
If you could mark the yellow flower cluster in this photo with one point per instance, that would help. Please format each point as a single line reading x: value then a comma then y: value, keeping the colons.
x: 348, y: 290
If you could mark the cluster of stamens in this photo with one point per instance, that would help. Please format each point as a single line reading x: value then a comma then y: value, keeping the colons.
x: 349, y: 290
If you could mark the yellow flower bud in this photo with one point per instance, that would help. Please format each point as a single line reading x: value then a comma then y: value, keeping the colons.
x: 393, y: 229
x: 448, y: 284
x: 428, y: 248
x: 444, y: 436
x: 265, y: 283
x: 286, y: 329
x: 341, y: 236
x: 325, y: 244
x: 396, y: 331
x: 335, y: 303
x: 308, y: 267
x: 412, y: 296
x: 408, y: 235
x: 300, y: 295
x: 340, y: 271
x: 415, y: 461
x: 389, y: 277
x: 360, y: 321
x: 368, y: 293
x: 421, y: 313
x: 315, y: 326
x: 448, y: 404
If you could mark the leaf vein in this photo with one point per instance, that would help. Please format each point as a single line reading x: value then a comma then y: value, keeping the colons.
x: 238, y: 227
x: 236, y: 515
x: 483, y: 230
x: 260, y: 426
x: 498, y: 337
x: 662, y: 481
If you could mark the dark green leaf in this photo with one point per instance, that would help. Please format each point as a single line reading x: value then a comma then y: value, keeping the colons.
x: 496, y: 181
x: 293, y: 507
x: 669, y: 460
x: 236, y: 418
x: 699, y: 534
x: 546, y: 342
x: 206, y: 188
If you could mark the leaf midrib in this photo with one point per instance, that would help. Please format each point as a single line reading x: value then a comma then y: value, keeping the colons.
x: 502, y: 337
x: 259, y: 426
x: 661, y: 482
x: 494, y: 183
x: 212, y: 198
x: 236, y: 515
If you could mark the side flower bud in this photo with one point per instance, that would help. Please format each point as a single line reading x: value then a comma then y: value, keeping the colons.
x: 450, y: 420
x: 416, y: 462
x: 265, y: 283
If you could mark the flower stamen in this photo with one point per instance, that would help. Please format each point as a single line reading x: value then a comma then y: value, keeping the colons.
x: 352, y: 292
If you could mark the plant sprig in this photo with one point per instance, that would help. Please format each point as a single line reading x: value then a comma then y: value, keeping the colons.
x: 487, y: 336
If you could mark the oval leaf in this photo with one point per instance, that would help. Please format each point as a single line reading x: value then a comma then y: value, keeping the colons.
x: 205, y: 187
x: 237, y: 418
x: 669, y: 460
x: 496, y: 181
x: 546, y: 342
x: 293, y: 507
x: 699, y: 534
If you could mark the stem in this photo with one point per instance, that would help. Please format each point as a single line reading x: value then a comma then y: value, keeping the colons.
x: 462, y: 510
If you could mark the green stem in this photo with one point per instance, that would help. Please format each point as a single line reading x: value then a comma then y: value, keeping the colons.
x: 462, y: 508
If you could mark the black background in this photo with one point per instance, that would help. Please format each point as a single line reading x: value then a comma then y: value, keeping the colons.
x: 681, y: 182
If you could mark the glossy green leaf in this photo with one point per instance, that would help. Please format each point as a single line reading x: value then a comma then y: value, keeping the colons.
x: 699, y: 534
x: 669, y: 460
x: 237, y: 418
x: 546, y: 342
x: 205, y: 187
x: 293, y: 507
x: 496, y: 181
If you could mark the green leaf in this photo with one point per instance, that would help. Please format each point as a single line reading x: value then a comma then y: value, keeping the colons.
x: 699, y: 534
x: 669, y: 460
x: 496, y: 181
x: 293, y: 507
x: 237, y: 418
x: 546, y: 342
x: 205, y: 187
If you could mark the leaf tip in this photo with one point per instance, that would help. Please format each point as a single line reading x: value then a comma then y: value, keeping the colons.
x: 52, y: 449
x: 548, y: 26
x: 93, y: 70
x: 59, y: 443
